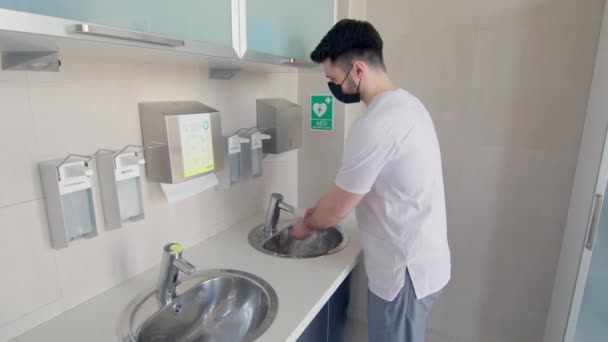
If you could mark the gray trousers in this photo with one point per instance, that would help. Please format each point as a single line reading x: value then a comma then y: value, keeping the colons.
x: 401, y: 320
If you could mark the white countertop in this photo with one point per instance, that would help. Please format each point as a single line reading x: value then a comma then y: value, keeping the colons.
x: 303, y: 286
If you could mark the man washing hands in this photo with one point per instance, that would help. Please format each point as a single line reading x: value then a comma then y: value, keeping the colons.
x: 391, y: 172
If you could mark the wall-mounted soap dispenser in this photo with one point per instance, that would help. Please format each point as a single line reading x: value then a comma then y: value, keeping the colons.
x: 252, y: 155
x: 282, y: 120
x: 257, y: 154
x: 233, y: 166
x: 68, y: 199
x: 119, y: 175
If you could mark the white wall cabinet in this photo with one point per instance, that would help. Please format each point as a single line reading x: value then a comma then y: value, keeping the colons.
x: 263, y: 31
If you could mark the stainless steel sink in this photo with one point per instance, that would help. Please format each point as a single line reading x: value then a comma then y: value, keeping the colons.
x: 322, y: 242
x: 211, y: 306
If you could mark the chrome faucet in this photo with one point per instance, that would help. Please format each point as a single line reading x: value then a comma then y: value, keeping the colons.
x: 272, y: 214
x: 170, y: 266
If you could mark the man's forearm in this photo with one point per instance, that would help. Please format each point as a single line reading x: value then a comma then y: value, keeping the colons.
x: 332, y: 208
x: 323, y: 216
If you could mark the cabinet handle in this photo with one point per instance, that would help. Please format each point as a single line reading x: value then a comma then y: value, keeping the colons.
x: 597, y: 211
x: 299, y: 63
x: 126, y: 35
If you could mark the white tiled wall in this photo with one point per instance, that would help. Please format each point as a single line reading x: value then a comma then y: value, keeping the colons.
x: 507, y: 84
x: 90, y: 104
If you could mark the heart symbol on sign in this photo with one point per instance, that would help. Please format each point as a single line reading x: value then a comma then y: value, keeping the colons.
x: 319, y: 109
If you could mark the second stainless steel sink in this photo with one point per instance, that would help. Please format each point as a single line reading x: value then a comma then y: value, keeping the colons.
x: 322, y: 242
x: 213, y: 306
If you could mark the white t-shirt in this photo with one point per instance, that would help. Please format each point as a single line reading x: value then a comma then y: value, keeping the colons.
x: 392, y: 156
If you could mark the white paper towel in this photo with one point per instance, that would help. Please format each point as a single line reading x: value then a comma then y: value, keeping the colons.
x: 183, y: 190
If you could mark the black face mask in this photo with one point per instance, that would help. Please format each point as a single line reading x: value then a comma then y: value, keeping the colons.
x: 336, y: 90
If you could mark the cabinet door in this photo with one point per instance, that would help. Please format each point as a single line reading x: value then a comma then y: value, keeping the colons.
x: 338, y: 306
x: 328, y: 325
x: 206, y: 21
x: 317, y: 329
x: 287, y: 28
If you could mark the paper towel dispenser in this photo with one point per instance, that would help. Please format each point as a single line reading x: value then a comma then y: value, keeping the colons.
x: 282, y: 120
x: 183, y: 140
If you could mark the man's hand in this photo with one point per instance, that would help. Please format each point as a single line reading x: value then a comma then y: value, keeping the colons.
x: 309, y: 212
x: 300, y: 230
x: 332, y: 208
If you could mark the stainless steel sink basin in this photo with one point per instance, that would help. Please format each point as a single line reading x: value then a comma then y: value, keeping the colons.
x: 322, y: 242
x: 211, y: 306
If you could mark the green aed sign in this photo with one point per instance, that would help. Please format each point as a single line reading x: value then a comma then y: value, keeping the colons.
x: 322, y: 113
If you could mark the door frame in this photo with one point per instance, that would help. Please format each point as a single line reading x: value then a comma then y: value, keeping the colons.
x: 587, y: 251
x: 573, y: 265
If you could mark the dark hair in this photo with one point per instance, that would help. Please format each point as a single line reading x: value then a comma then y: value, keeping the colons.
x: 351, y: 39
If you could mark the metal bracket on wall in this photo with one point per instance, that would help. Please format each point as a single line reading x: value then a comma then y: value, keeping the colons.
x: 31, y: 60
x: 222, y: 73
